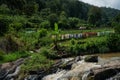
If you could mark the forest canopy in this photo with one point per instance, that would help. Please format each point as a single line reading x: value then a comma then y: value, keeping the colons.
x: 69, y: 14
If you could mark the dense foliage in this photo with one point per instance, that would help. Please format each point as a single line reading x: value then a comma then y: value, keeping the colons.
x: 27, y: 28
x: 69, y: 14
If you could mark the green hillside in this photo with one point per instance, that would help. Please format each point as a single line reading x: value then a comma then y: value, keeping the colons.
x: 68, y: 13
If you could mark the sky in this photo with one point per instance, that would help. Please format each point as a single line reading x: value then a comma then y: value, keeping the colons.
x: 102, y: 3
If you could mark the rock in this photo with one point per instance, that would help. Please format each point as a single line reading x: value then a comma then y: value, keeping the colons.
x: 55, y: 76
x: 75, y: 73
x: 56, y: 70
x: 13, y: 75
x: 103, y: 75
x: 4, y: 70
x: 108, y: 70
x: 67, y: 63
x: 91, y: 59
x: 77, y: 69
x: 116, y: 77
x: 31, y: 77
x: 3, y: 74
x: 10, y: 70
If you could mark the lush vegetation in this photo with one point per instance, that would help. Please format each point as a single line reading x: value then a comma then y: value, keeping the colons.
x: 37, y: 62
x: 27, y: 26
x: 12, y: 56
x: 69, y: 14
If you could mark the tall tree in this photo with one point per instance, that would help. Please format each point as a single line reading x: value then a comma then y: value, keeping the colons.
x: 53, y: 18
x: 4, y: 23
x: 116, y: 23
x: 94, y: 16
x: 63, y: 21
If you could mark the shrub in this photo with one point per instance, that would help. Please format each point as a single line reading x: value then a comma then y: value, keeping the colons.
x: 23, y: 54
x: 1, y: 55
x: 48, y: 53
x: 37, y: 62
x: 16, y: 26
x: 91, y: 47
x: 44, y: 51
x: 45, y: 24
x: 103, y: 49
x: 4, y: 22
x: 72, y: 41
x: 4, y: 9
x: 29, y: 40
x: 44, y: 41
x: 11, y: 57
x: 11, y: 44
x: 73, y: 22
x: 113, y: 42
x: 42, y: 33
x: 14, y: 56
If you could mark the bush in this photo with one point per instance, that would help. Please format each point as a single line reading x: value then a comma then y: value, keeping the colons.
x: 102, y: 46
x: 1, y: 55
x: 91, y: 47
x: 12, y: 44
x: 14, y: 56
x: 44, y: 41
x: 73, y: 41
x: 23, y: 54
x: 45, y: 24
x: 29, y: 40
x: 16, y: 26
x: 73, y: 22
x: 75, y: 49
x: 42, y: 33
x: 44, y: 51
x: 4, y: 9
x: 113, y: 42
x: 48, y: 53
x: 117, y: 28
x: 103, y: 49
x: 36, y: 62
x: 4, y: 22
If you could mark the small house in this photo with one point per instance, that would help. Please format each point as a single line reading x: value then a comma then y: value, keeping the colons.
x: 82, y: 28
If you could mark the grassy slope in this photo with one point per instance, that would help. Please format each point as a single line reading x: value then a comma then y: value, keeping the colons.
x: 91, y: 39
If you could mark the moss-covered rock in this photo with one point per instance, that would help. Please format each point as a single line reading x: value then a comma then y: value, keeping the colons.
x: 91, y: 59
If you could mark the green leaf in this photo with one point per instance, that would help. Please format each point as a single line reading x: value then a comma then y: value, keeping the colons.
x: 56, y: 27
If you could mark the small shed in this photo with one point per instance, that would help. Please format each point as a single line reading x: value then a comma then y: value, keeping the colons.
x: 82, y: 28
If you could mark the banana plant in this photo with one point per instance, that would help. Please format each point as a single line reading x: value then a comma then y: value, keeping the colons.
x: 56, y: 36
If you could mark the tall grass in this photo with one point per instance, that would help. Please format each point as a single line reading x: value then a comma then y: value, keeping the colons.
x: 36, y: 62
x: 14, y: 56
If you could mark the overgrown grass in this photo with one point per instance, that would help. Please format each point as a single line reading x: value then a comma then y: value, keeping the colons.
x: 29, y: 39
x: 90, y: 39
x: 33, y: 39
x: 13, y: 56
x: 86, y: 46
x: 36, y: 62
x: 93, y: 39
x: 81, y: 31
